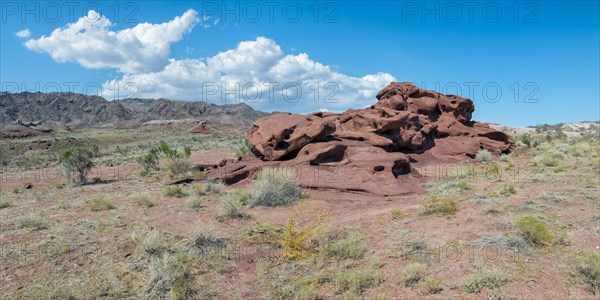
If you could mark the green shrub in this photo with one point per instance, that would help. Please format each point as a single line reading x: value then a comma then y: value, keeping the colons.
x: 144, y: 201
x: 143, y: 172
x: 177, y: 164
x: 550, y: 196
x: 209, y: 187
x: 505, y: 158
x: 173, y: 191
x: 413, y: 273
x: 483, y: 156
x: 4, y: 203
x: 352, y: 247
x: 205, y: 240
x: 511, y: 165
x: 231, y: 204
x: 492, y: 169
x: 527, y: 140
x: 436, y: 205
x: 76, y: 163
x: 482, y: 279
x: 534, y: 230
x: 274, y: 187
x: 430, y: 285
x: 551, y: 161
x: 446, y: 188
x: 589, y: 270
x: 397, y: 214
x: 33, y: 223
x: 149, y: 161
x: 100, y: 203
x: 178, y: 167
x: 278, y: 283
x: 174, y: 154
x: 454, y: 186
x: 169, y: 277
x: 194, y: 202
x: 245, y: 148
x: 354, y: 282
x: 152, y: 242
x: 292, y: 239
x: 560, y: 168
x: 80, y: 286
x: 507, y: 190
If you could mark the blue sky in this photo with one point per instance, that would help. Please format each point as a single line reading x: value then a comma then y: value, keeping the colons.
x: 523, y: 63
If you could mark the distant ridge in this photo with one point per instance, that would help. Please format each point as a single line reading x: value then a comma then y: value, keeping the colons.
x: 81, y: 111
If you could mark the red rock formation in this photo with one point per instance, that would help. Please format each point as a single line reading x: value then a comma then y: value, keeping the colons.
x: 370, y: 149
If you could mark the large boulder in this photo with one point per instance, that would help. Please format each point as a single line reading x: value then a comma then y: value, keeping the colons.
x: 369, y: 150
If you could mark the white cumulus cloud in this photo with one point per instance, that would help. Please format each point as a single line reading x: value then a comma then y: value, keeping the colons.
x: 90, y: 43
x: 24, y: 34
x: 258, y: 73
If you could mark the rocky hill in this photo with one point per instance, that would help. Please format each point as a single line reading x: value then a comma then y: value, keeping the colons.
x: 81, y: 111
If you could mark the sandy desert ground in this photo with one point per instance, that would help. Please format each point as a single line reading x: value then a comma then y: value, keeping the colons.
x: 520, y: 226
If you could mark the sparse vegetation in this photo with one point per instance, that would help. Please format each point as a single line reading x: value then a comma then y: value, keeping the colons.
x: 589, y: 270
x: 441, y: 206
x: 551, y: 160
x: 354, y: 282
x: 33, y: 223
x: 152, y: 242
x: 292, y: 240
x: 100, y: 204
x: 244, y: 148
x: 144, y: 201
x: 274, y: 187
x: 483, y: 156
x: 205, y: 241
x: 54, y: 219
x: 553, y: 197
x: 169, y: 277
x: 209, y: 187
x: 76, y: 163
x: 534, y: 230
x: 483, y: 279
x: 413, y: 273
x: 177, y: 159
x: 492, y: 169
x: 194, y: 202
x: 4, y: 203
x: 173, y: 191
x: 506, y: 190
x: 446, y: 188
x: 430, y: 285
x: 351, y: 247
x: 149, y: 161
x: 231, y: 204
x: 397, y: 214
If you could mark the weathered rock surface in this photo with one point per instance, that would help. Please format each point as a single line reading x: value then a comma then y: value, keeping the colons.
x: 370, y: 150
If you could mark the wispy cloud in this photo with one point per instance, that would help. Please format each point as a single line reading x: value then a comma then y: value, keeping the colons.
x: 24, y: 34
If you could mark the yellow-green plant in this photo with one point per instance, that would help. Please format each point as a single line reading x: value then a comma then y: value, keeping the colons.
x: 534, y: 230
x: 437, y: 205
x: 292, y: 239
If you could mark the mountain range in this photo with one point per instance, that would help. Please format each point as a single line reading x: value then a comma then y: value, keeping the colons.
x: 85, y: 111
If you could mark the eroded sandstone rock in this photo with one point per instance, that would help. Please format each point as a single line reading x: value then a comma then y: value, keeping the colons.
x: 370, y: 150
